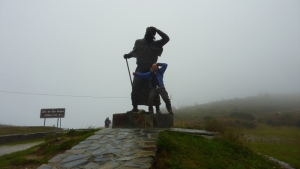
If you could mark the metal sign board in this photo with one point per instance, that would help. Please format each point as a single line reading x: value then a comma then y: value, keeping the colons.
x: 53, y: 113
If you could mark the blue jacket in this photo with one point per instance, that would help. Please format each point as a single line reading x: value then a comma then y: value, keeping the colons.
x: 159, y: 74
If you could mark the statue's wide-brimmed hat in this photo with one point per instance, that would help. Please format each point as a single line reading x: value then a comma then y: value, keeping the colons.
x: 151, y: 30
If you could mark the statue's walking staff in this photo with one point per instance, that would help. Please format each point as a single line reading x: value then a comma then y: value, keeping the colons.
x: 129, y: 72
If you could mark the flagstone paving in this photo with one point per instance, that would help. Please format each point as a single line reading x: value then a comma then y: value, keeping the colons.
x: 112, y: 149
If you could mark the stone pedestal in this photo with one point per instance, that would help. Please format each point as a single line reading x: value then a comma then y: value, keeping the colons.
x: 142, y: 120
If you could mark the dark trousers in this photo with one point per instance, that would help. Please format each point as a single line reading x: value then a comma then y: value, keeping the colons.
x: 163, y: 93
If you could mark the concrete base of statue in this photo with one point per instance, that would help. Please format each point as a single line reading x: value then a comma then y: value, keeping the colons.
x: 142, y: 120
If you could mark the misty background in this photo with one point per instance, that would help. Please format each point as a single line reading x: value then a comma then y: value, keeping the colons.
x: 69, y: 54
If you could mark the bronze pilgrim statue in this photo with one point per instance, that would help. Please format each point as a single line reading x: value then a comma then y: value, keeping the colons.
x: 146, y: 52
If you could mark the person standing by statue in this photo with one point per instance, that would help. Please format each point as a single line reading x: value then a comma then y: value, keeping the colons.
x: 146, y: 52
x: 156, y: 83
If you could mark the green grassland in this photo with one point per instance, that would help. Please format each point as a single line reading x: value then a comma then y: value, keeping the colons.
x: 181, y: 150
x: 268, y: 124
x: 175, y: 150
x: 40, y: 154
x: 282, y: 143
x: 9, y: 130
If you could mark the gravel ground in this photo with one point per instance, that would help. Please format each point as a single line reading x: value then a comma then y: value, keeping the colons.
x: 15, y: 148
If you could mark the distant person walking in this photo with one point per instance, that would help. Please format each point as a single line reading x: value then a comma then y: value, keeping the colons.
x: 107, y: 122
x: 146, y: 52
x: 156, y: 84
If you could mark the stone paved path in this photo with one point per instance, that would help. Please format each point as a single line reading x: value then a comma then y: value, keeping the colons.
x: 110, y: 148
x: 113, y: 149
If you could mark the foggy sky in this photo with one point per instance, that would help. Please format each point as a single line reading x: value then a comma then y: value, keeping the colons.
x: 217, y: 50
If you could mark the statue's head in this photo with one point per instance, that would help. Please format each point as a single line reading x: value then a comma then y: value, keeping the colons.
x: 150, y: 33
x: 151, y: 30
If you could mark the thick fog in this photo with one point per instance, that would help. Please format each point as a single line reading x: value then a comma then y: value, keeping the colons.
x: 69, y: 54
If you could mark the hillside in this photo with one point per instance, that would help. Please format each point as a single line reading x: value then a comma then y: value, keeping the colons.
x: 266, y: 103
x: 262, y: 107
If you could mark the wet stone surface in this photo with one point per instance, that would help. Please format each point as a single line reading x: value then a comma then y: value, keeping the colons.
x: 110, y: 149
x: 115, y: 148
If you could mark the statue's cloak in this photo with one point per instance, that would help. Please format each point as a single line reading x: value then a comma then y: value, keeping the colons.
x: 146, y: 53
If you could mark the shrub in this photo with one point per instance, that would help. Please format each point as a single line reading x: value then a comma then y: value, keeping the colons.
x: 71, y: 132
x: 207, y: 118
x: 276, y: 119
x: 298, y: 123
x: 244, y: 116
x: 214, y: 126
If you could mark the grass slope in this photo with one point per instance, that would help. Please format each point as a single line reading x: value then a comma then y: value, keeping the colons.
x: 186, y: 151
x: 40, y: 154
x: 282, y: 143
x: 9, y: 130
